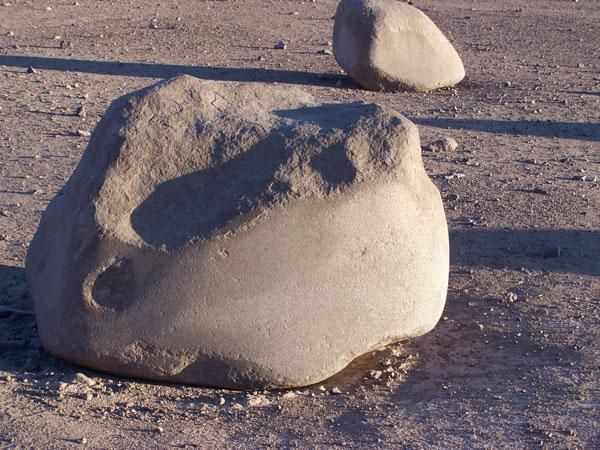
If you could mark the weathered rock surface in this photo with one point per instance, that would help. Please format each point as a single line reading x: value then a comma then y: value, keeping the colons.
x: 390, y: 45
x: 239, y: 235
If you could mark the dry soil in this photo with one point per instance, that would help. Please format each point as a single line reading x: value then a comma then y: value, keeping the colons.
x: 514, y: 362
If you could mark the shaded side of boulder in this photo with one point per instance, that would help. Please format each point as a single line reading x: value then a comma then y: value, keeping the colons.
x: 389, y: 45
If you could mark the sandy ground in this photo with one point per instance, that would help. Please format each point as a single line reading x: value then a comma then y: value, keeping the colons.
x: 514, y: 362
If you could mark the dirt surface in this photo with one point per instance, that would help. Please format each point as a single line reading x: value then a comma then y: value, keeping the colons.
x: 514, y: 362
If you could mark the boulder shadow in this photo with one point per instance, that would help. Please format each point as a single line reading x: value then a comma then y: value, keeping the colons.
x: 149, y: 70
x: 583, y: 131
x: 547, y: 250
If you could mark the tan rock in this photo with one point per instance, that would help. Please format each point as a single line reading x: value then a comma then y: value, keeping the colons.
x: 390, y: 45
x: 239, y: 235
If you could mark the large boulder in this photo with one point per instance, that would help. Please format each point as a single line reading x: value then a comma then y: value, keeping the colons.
x: 239, y: 235
x: 389, y: 45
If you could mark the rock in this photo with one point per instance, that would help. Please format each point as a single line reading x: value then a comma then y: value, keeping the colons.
x: 31, y: 70
x: 80, y: 378
x: 446, y: 144
x: 281, y: 45
x: 388, y: 45
x: 375, y: 374
x: 239, y: 235
x: 258, y: 401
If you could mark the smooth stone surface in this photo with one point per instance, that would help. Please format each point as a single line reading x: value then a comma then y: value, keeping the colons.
x: 387, y: 45
x: 239, y: 235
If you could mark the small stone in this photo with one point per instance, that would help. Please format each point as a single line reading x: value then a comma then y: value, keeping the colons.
x: 83, y: 441
x: 160, y: 430
x: 507, y: 84
x: 153, y: 25
x: 258, y: 401
x: 80, y: 378
x: 83, y: 133
x: 31, y: 70
x: 375, y: 374
x: 221, y: 401
x: 281, y: 45
x: 325, y: 51
x: 81, y: 111
x: 89, y: 396
x: 66, y: 44
x: 511, y: 297
x: 446, y: 144
x: 336, y: 391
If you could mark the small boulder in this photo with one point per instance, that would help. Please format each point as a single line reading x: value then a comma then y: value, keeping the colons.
x: 387, y: 45
x: 239, y: 235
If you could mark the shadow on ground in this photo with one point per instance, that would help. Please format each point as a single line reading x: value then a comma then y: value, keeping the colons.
x: 566, y: 251
x: 584, y: 131
x: 149, y: 70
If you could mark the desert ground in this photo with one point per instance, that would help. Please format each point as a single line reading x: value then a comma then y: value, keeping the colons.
x: 514, y: 363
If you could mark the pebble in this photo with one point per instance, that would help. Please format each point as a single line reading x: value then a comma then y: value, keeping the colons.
x: 281, y: 45
x: 80, y: 378
x: 325, y: 51
x: 31, y: 70
x: 446, y: 144
x: 83, y: 133
x: 336, y: 391
x: 511, y: 297
x: 375, y: 374
x: 258, y: 401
